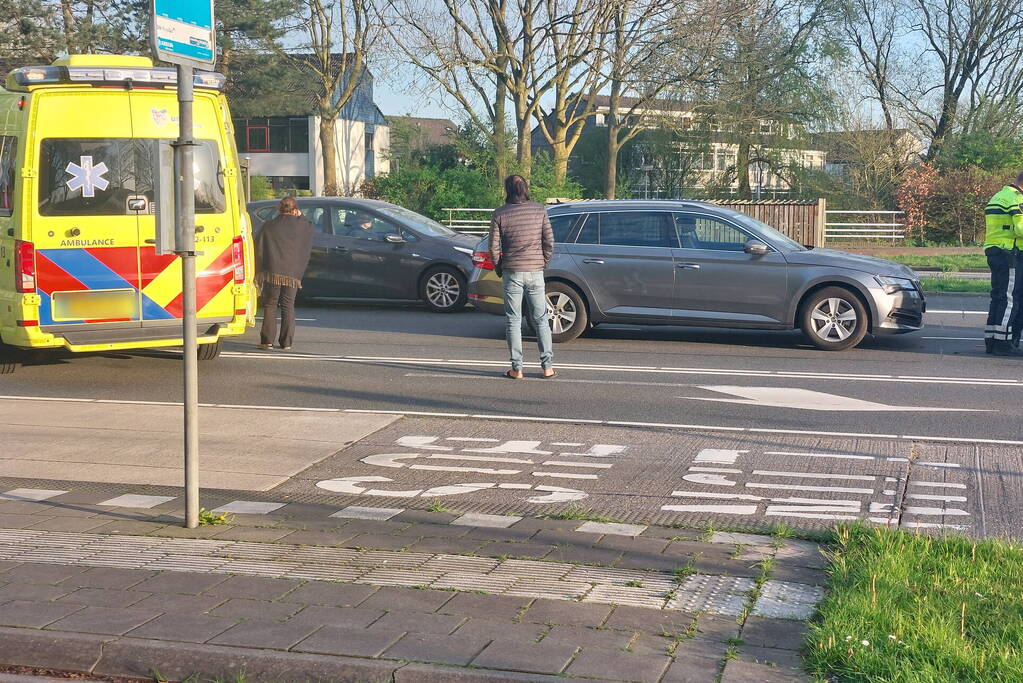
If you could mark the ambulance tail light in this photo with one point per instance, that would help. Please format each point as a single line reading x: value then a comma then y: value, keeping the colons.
x: 24, y: 267
x: 238, y: 256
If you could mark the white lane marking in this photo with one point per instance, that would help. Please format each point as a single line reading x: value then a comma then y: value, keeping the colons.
x: 718, y: 456
x: 722, y: 496
x: 805, y: 399
x: 782, y: 513
x: 709, y: 479
x: 524, y: 447
x: 473, y: 438
x: 888, y: 492
x: 569, y: 463
x: 938, y: 484
x: 518, y: 487
x: 721, y: 509
x: 951, y: 512
x: 778, y: 509
x: 897, y: 459
x: 746, y: 496
x: 540, y: 419
x: 564, y: 475
x: 956, y: 338
x: 959, y: 312
x: 725, y: 470
x: 933, y: 525
x: 953, y: 465
x: 816, y: 475
x: 731, y: 372
x: 798, y: 487
x: 946, y: 499
x: 823, y: 455
x: 565, y: 443
x: 298, y: 320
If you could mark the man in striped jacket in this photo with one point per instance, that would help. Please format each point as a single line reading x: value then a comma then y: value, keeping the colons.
x: 1002, y: 243
x: 521, y: 245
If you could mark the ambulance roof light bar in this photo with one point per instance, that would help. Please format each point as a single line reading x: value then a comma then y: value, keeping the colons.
x: 25, y: 77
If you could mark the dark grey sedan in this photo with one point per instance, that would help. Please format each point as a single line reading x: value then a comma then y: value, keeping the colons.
x: 368, y: 249
x: 692, y: 263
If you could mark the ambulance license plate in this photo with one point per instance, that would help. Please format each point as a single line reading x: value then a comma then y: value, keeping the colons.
x: 104, y: 304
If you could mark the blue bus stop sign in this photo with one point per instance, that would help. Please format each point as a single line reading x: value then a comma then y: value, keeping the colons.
x: 182, y: 32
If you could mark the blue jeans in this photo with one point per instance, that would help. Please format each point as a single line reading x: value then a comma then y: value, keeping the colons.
x: 530, y: 284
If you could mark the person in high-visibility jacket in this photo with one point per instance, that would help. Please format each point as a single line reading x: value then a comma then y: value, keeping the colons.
x: 1002, y: 243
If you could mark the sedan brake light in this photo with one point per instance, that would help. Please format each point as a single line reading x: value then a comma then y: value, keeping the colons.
x: 482, y: 260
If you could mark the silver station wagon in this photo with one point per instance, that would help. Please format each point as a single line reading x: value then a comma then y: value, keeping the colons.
x: 693, y: 263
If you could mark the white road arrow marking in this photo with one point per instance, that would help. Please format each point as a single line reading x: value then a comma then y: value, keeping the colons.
x: 718, y: 456
x: 804, y: 399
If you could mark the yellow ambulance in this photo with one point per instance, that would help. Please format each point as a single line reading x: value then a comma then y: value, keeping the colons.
x: 79, y: 145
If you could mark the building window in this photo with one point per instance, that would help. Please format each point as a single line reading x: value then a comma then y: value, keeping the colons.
x: 600, y: 120
x: 370, y: 155
x: 274, y: 134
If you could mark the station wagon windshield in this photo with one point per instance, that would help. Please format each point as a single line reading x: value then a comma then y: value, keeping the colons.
x: 777, y: 237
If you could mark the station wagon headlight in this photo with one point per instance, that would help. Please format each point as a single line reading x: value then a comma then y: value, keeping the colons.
x: 891, y: 285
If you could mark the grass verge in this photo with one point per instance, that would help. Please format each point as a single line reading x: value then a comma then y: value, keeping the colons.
x: 949, y: 263
x: 954, y: 284
x: 906, y: 608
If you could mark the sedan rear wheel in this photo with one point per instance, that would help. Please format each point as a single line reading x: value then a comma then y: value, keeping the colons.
x: 834, y: 319
x: 443, y: 289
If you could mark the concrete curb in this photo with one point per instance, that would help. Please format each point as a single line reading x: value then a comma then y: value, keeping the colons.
x: 140, y: 658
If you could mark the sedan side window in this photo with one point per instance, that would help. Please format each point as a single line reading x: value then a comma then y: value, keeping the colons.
x: 705, y: 232
x: 561, y: 226
x: 317, y: 215
x: 638, y: 229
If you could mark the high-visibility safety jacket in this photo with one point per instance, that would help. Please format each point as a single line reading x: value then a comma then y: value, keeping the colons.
x: 1004, y: 219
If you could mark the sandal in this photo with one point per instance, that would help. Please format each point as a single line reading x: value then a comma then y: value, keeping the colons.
x: 550, y: 376
x: 510, y: 374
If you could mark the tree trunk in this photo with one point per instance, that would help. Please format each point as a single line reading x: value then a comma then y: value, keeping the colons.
x: 742, y: 170
x: 328, y: 145
x: 611, y: 170
x: 68, y: 18
x: 500, y: 134
x: 525, y: 147
x: 559, y: 151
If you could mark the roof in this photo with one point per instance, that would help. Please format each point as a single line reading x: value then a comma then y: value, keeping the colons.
x: 846, y: 145
x: 626, y: 103
x: 432, y: 132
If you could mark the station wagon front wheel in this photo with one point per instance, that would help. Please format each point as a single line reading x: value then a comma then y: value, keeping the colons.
x: 834, y: 319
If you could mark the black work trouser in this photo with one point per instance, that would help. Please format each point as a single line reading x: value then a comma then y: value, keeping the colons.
x: 277, y: 297
x: 1005, y: 316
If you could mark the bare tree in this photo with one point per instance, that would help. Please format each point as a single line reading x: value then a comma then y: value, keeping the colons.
x: 874, y: 29
x: 337, y: 37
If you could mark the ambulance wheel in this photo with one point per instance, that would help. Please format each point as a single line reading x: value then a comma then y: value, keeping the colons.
x: 208, y: 351
x: 8, y: 361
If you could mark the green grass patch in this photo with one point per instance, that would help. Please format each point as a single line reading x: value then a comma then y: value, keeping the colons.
x: 949, y: 263
x: 581, y: 513
x: 907, y: 608
x: 954, y: 284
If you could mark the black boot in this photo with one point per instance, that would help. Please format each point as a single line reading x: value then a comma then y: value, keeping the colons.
x: 989, y: 345
x: 1004, y: 348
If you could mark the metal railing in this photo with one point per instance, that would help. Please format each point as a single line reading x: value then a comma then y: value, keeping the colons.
x: 893, y: 231
x: 471, y: 221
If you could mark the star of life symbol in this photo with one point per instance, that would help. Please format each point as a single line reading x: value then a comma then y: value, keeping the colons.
x: 86, y: 177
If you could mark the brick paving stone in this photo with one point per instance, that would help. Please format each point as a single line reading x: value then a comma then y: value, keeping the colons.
x: 592, y: 638
x: 783, y: 659
x: 503, y: 630
x: 695, y: 667
x: 356, y: 642
x: 566, y: 612
x: 69, y: 524
x: 114, y: 621
x: 674, y: 534
x: 633, y: 544
x: 129, y: 527
x: 648, y: 562
x: 523, y: 656
x: 424, y: 517
x: 189, y: 583
x: 304, y: 511
x: 14, y: 521
x: 19, y: 507
x: 648, y: 620
x: 178, y: 531
x: 434, y: 531
x: 103, y: 597
x: 5, y: 565
x: 349, y: 617
x: 51, y: 574
x: 795, y: 574
x: 379, y: 542
x: 407, y: 599
x: 265, y: 634
x: 442, y: 649
x: 255, y: 587
x: 475, y: 519
x: 188, y: 628
x: 563, y: 537
x: 701, y: 548
x: 28, y: 494
x: 511, y: 534
x: 540, y: 524
x: 32, y: 591
x: 175, y: 603
x: 467, y: 546
x: 31, y: 614
x: 523, y: 551
x: 728, y: 567
x: 615, y: 528
x: 738, y: 671
x: 485, y: 606
x: 375, y: 528
x: 619, y: 665
x: 650, y: 644
x: 418, y: 622
x: 242, y: 608
x: 604, y: 557
x: 372, y: 513
x: 254, y: 534
x: 321, y: 538
x: 774, y: 633
x: 334, y: 594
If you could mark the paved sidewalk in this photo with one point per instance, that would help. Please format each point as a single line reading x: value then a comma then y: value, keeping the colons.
x: 306, y: 596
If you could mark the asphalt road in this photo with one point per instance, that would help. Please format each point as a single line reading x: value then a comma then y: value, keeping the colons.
x: 933, y: 384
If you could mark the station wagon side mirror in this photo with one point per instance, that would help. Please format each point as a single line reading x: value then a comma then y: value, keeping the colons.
x: 755, y: 248
x: 395, y: 239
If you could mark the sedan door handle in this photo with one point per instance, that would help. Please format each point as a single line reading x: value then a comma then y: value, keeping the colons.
x: 688, y: 266
x: 598, y: 261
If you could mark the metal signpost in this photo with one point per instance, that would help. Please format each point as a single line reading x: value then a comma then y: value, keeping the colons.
x: 182, y: 33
